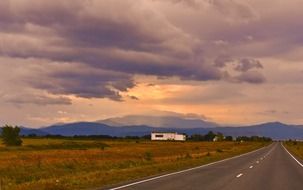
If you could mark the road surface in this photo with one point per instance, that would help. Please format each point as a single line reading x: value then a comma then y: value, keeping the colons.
x: 269, y: 168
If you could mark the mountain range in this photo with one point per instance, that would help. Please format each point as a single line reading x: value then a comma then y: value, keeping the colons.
x: 169, y: 121
x: 129, y: 126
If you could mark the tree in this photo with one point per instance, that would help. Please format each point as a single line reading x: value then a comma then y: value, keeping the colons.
x: 10, y: 136
x: 210, y: 136
x: 197, y: 137
x: 229, y: 138
x: 220, y: 137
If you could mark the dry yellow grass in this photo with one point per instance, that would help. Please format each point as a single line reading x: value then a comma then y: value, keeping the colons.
x: 295, y: 148
x: 46, y: 164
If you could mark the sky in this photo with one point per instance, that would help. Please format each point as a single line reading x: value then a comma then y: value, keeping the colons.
x: 233, y: 62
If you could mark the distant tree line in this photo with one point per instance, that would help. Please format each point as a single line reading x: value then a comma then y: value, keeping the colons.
x: 253, y: 138
x: 84, y: 137
x: 211, y: 136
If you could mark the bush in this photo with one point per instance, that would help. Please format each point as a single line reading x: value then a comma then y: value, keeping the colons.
x: 10, y: 136
x: 148, y: 156
x: 219, y: 150
x: 228, y: 138
x: 188, y: 156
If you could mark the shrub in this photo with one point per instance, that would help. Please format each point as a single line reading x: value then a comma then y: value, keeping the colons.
x: 148, y: 156
x: 219, y: 150
x: 188, y: 156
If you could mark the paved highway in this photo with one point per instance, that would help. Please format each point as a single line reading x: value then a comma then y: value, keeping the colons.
x: 269, y: 168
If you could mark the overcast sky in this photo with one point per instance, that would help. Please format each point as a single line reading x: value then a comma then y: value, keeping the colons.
x: 227, y: 61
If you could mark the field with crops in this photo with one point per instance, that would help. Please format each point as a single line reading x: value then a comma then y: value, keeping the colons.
x: 59, y: 164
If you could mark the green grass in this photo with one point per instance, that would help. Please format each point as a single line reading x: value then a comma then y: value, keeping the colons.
x: 46, y: 164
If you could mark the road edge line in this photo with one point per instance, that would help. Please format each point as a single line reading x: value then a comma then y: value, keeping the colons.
x: 298, y: 162
x: 186, y: 170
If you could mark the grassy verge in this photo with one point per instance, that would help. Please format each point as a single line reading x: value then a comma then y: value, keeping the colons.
x: 296, y: 148
x: 62, y: 164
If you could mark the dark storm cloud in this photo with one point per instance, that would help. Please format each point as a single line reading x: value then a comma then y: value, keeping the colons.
x: 83, y: 25
x: 78, y: 80
x: 117, y: 39
x: 121, y: 44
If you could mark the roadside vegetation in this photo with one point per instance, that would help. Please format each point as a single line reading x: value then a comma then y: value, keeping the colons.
x: 295, y: 147
x: 81, y: 162
x: 211, y: 136
x: 57, y: 163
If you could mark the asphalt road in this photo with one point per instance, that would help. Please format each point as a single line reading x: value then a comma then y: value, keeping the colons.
x: 269, y: 168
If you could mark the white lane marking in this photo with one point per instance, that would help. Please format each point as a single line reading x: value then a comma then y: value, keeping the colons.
x: 250, y: 167
x: 187, y: 170
x: 292, y: 156
x: 270, y: 151
x: 239, y: 175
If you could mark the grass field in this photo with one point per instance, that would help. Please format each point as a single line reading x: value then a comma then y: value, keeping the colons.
x: 295, y: 148
x: 57, y: 164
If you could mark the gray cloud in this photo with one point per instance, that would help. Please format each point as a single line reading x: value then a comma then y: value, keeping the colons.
x: 222, y: 60
x: 250, y: 77
x: 236, y: 10
x: 248, y: 64
x: 122, y: 42
x: 134, y: 97
x: 36, y: 99
x: 54, y: 50
x: 273, y: 112
x: 191, y: 3
x: 81, y: 81
x: 119, y: 44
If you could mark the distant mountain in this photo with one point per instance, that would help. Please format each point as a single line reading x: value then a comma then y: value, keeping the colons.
x: 158, y: 121
x: 274, y: 130
x: 90, y: 128
x: 29, y: 131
